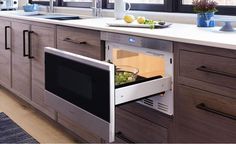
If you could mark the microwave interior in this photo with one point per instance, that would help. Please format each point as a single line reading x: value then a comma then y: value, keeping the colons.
x: 148, y: 63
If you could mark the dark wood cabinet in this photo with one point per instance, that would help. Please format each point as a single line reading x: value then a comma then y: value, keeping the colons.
x: 133, y: 128
x: 205, y: 104
x: 80, y: 41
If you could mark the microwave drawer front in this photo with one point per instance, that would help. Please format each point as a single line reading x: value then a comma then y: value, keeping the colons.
x: 73, y: 87
x: 87, y: 120
x: 142, y: 90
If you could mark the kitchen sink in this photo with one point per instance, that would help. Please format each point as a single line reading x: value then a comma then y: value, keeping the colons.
x: 53, y: 16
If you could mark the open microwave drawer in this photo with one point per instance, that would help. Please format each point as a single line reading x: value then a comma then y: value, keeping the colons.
x: 83, y: 89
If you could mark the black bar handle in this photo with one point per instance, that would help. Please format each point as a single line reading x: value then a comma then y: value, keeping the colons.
x: 24, y: 51
x: 202, y: 106
x: 210, y: 70
x: 120, y: 135
x: 29, y: 44
x: 75, y: 42
x: 6, y: 36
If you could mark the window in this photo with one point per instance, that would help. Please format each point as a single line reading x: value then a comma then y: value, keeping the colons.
x: 220, y: 2
x: 43, y: 2
x: 225, y: 7
x: 146, y: 5
x: 77, y: 3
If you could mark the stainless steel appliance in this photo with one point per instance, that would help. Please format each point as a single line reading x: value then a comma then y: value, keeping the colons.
x: 84, y: 89
x: 8, y: 4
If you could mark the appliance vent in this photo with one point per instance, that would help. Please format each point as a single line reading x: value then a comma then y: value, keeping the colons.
x: 162, y: 107
x: 148, y: 102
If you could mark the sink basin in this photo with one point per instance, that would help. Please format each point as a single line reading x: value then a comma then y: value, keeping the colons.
x: 54, y: 16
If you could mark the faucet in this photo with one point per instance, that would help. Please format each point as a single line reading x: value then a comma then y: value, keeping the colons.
x: 96, y: 8
x: 51, y: 7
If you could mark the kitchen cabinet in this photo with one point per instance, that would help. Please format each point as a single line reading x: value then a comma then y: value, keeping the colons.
x: 80, y: 41
x: 204, y: 94
x: 26, y: 58
x: 5, y: 53
x: 133, y: 128
x: 41, y: 36
x: 21, y: 72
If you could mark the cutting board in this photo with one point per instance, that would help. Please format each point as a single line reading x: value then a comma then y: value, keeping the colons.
x: 121, y: 23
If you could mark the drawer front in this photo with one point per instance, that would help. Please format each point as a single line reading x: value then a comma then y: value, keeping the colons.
x: 131, y: 128
x: 207, y: 68
x: 79, y: 41
x: 204, y: 117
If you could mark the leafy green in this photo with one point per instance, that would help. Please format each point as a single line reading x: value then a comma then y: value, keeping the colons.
x: 151, y: 23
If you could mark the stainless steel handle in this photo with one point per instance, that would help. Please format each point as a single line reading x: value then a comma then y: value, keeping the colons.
x: 6, y: 36
x: 210, y: 70
x: 73, y: 41
x: 203, y: 106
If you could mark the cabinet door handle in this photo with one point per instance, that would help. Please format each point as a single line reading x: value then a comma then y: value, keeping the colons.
x: 209, y: 70
x: 120, y: 135
x: 24, y: 35
x: 6, y: 36
x: 29, y: 44
x: 202, y: 106
x: 75, y: 42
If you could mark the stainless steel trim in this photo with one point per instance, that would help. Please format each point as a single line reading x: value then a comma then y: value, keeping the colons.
x: 94, y: 124
x: 137, y: 41
x: 142, y: 90
x: 79, y: 58
x: 89, y: 121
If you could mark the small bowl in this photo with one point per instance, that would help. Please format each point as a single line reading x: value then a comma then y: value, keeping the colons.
x: 125, y: 74
x: 31, y: 8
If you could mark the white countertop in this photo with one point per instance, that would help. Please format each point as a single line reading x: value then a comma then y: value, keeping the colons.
x: 176, y: 32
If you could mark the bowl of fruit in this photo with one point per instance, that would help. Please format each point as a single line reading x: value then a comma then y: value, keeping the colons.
x: 125, y: 74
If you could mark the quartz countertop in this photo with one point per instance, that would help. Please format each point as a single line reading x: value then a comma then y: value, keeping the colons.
x: 177, y: 32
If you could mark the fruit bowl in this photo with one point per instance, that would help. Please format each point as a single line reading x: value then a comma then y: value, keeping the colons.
x: 125, y: 74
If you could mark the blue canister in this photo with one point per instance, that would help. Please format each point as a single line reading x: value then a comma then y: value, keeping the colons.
x: 205, y: 19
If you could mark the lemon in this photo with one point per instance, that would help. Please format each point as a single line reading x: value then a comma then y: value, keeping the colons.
x: 129, y: 18
x: 141, y: 20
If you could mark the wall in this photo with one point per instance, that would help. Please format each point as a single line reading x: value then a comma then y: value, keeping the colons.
x: 22, y: 2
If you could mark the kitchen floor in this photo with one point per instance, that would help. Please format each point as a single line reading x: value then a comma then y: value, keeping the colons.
x: 31, y: 121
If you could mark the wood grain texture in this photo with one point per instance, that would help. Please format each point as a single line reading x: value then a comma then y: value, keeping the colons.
x: 41, y: 37
x: 139, y: 130
x: 190, y: 123
x: 92, y: 48
x: 196, y: 125
x: 5, y: 55
x: 21, y: 73
x: 190, y: 61
x: 189, y: 57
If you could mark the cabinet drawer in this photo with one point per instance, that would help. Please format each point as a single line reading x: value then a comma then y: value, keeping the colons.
x: 213, y: 69
x: 204, y: 117
x: 79, y: 41
x: 132, y: 128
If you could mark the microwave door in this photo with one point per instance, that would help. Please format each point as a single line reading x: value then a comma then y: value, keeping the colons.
x: 82, y: 89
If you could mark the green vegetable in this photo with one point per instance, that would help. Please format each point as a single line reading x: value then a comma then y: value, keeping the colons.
x: 123, y: 77
x: 151, y: 23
